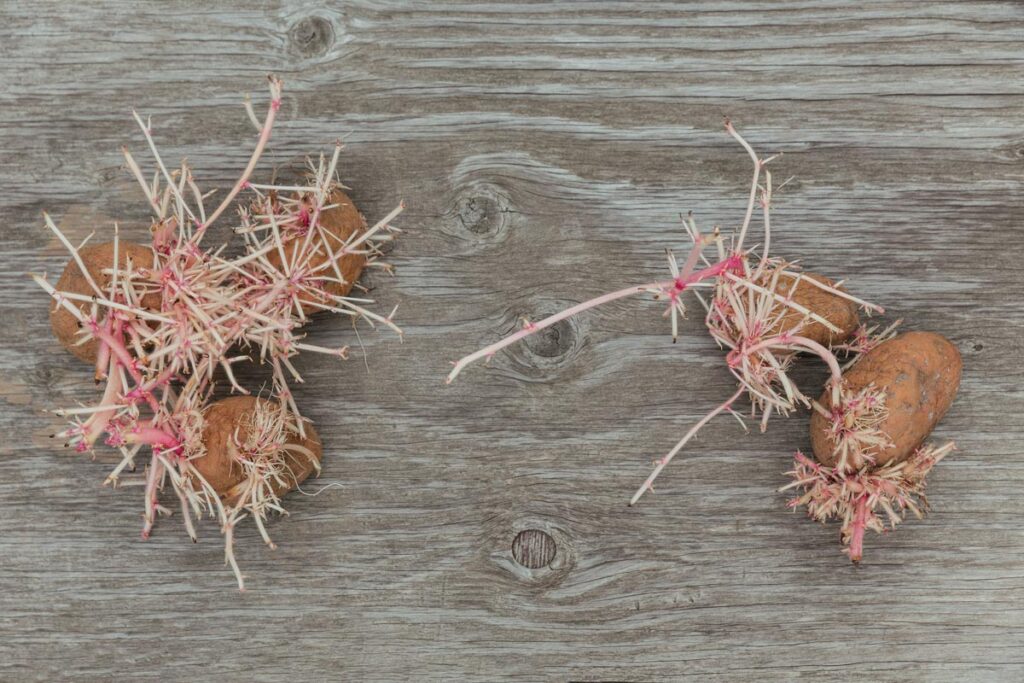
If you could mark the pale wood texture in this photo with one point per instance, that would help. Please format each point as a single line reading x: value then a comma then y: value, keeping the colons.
x: 545, y: 152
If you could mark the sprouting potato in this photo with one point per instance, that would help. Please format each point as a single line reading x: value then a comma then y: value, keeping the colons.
x: 97, y: 259
x: 916, y: 375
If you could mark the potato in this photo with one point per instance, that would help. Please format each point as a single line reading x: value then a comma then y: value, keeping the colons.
x: 341, y: 221
x: 218, y: 467
x: 918, y: 373
x: 96, y: 258
x: 839, y: 311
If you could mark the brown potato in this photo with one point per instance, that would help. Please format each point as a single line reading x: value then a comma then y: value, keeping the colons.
x: 919, y: 373
x: 96, y: 258
x: 341, y: 221
x: 839, y: 311
x: 217, y: 466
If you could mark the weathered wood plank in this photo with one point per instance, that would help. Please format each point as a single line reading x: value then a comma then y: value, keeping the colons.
x: 545, y: 152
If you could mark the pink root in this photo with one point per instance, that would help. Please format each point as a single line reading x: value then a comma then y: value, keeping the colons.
x: 648, y: 485
x: 866, y: 498
x: 153, y: 436
x: 153, y: 477
x: 268, y: 125
x: 857, y: 528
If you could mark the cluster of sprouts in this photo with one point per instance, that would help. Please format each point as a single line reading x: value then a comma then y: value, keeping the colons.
x: 171, y: 327
x: 265, y: 446
x: 751, y: 311
x: 855, y: 426
x: 748, y: 294
x: 855, y: 496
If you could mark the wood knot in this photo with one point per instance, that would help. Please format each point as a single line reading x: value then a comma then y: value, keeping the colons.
x: 44, y: 376
x: 479, y: 214
x: 546, y: 351
x: 529, y: 549
x: 108, y: 175
x: 311, y: 36
x: 534, y: 549
x: 552, y: 342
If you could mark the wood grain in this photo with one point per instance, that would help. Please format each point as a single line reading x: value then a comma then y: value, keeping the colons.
x: 545, y: 152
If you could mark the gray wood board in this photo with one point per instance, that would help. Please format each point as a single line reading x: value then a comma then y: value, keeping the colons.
x: 545, y: 152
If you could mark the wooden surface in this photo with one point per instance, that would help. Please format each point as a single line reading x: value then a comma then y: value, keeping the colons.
x: 545, y: 153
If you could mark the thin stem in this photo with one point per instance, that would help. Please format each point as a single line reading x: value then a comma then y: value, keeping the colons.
x: 229, y: 552
x: 679, y: 283
x: 154, y: 436
x: 833, y: 290
x: 268, y: 124
x: 100, y: 301
x: 785, y: 301
x: 118, y: 349
x: 797, y: 343
x: 860, y: 525
x: 647, y: 485
x: 766, y: 200
x: 753, y: 184
x: 186, y: 515
x: 349, y: 246
x: 147, y: 132
x: 153, y: 477
x: 74, y: 253
x: 794, y: 342
x: 137, y: 172
x: 102, y: 356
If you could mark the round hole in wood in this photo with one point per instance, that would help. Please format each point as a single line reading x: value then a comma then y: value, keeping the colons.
x: 533, y: 548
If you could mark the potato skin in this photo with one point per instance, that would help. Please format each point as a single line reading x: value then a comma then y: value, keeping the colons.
x: 217, y: 466
x: 342, y: 221
x: 839, y: 311
x: 96, y: 258
x: 919, y: 373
